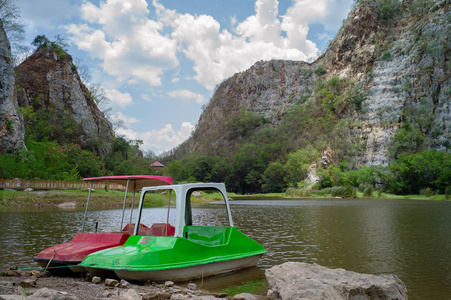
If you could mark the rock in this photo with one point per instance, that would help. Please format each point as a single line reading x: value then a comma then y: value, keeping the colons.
x: 12, y: 129
x: 10, y: 273
x: 247, y: 296
x: 130, y: 294
x: 67, y: 205
x: 12, y: 297
x: 50, y: 83
x: 179, y: 297
x: 124, y: 284
x: 96, y: 279
x: 28, y: 283
x: 295, y: 280
x: 28, y: 190
x: 169, y: 283
x: 156, y: 295
x: 192, y: 286
x: 49, y: 294
x: 34, y: 273
x: 111, y: 282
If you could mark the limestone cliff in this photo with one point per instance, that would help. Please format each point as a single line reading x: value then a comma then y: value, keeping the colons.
x: 11, y: 121
x: 394, y: 53
x: 49, y: 84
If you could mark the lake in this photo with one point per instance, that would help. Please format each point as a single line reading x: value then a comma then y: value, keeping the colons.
x: 408, y: 238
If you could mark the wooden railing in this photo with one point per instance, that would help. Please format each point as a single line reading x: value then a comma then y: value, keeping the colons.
x: 22, y: 184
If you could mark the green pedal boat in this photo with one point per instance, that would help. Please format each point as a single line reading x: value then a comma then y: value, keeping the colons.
x: 181, y: 252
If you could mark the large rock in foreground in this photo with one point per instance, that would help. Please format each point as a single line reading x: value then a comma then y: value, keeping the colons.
x: 295, y: 280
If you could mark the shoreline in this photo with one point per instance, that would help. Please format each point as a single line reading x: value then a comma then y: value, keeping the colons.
x: 63, y: 199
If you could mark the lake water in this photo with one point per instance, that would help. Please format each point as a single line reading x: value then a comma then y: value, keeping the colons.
x: 411, y: 239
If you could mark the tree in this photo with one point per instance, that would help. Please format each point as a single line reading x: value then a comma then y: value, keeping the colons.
x: 40, y: 41
x: 10, y: 14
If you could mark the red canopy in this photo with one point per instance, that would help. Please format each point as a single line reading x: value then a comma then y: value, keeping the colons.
x: 140, y: 180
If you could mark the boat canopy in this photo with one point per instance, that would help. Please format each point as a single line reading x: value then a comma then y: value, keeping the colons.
x: 140, y: 181
x: 183, y: 204
x: 137, y: 183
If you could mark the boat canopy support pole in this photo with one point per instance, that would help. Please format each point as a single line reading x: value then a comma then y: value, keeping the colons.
x: 86, y: 210
x: 133, y: 200
x: 169, y: 206
x: 123, y: 208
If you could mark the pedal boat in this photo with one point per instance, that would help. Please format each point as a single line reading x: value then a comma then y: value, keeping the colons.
x: 195, y: 251
x: 60, y: 258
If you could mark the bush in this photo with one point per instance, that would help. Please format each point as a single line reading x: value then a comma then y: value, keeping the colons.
x: 320, y: 71
x: 427, y: 192
x: 344, y: 191
x: 368, y: 191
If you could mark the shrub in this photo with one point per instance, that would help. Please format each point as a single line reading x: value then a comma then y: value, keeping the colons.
x: 320, y: 71
x: 368, y: 191
x: 386, y: 55
x: 427, y: 192
x: 344, y: 191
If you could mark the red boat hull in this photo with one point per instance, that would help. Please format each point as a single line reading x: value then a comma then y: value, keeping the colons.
x: 73, y: 252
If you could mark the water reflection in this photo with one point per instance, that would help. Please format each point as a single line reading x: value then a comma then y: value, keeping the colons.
x: 408, y: 238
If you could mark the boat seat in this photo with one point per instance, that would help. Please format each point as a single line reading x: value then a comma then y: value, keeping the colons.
x: 158, y: 229
x: 130, y: 228
x: 207, y: 235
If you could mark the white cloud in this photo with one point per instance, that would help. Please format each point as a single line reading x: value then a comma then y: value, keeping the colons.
x: 186, y: 94
x: 160, y: 140
x: 119, y: 99
x: 131, y: 46
x: 125, y: 119
x: 136, y: 47
x: 146, y: 97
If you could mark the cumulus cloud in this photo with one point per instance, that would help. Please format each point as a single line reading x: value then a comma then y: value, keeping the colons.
x: 119, y: 99
x: 130, y: 45
x: 186, y: 94
x: 162, y: 139
x: 120, y: 117
x: 136, y: 47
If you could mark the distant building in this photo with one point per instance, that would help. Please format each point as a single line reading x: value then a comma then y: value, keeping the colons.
x: 157, y: 166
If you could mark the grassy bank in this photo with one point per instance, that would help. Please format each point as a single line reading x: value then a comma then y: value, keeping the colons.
x: 99, y: 199
x: 314, y: 195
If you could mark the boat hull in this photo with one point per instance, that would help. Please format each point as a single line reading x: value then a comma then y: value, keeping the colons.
x: 189, y: 273
x: 67, y: 256
x: 205, y: 251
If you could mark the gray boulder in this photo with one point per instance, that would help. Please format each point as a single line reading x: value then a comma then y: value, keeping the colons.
x: 296, y: 280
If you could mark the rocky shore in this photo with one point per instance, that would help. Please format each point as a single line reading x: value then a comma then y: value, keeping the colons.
x: 292, y: 280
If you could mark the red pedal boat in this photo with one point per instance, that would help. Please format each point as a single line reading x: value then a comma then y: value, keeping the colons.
x: 70, y: 254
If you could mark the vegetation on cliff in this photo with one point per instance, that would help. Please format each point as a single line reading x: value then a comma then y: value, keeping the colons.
x: 367, y: 114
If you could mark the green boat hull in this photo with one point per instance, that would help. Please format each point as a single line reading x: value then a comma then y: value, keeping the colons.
x: 202, y: 251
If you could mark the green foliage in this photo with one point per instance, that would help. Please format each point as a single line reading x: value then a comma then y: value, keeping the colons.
x: 386, y: 55
x: 245, y: 123
x: 9, y: 125
x: 320, y: 71
x: 386, y: 12
x: 368, y: 191
x: 40, y: 41
x: 59, y: 46
x: 414, y: 172
x: 274, y: 178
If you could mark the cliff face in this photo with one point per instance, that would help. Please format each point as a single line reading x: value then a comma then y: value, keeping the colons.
x: 11, y: 121
x: 50, y: 85
x: 396, y: 55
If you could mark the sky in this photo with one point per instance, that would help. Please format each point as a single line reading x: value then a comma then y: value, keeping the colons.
x: 159, y: 61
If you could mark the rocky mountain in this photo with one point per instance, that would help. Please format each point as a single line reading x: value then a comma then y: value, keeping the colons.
x: 11, y: 121
x: 57, y: 105
x: 385, y: 76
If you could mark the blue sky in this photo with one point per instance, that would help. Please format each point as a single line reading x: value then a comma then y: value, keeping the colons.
x: 159, y: 61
